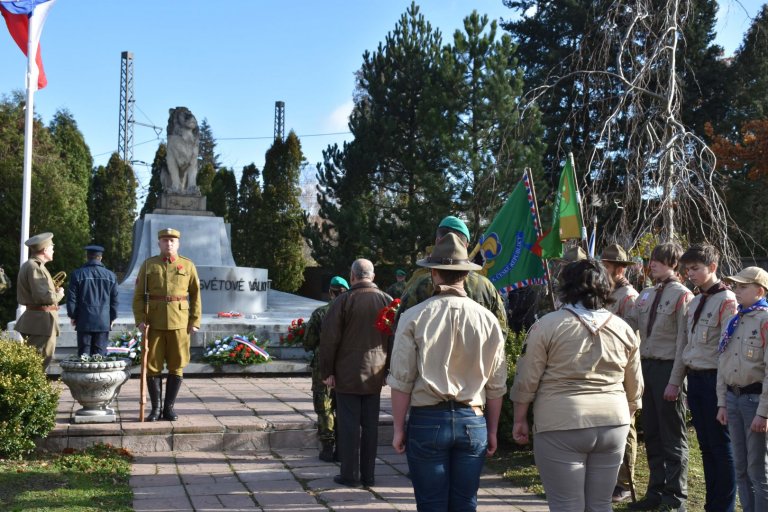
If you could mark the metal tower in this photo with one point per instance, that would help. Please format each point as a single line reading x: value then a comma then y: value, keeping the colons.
x: 127, y: 101
x: 279, y: 120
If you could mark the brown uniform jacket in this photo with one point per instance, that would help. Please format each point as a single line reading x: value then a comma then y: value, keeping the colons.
x: 168, y: 280
x: 351, y: 348
x: 669, y: 336
x: 745, y: 359
x: 700, y: 353
x: 624, y: 300
x: 34, y: 287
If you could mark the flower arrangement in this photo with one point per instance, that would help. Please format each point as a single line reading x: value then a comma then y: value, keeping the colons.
x: 295, y: 334
x: 237, y: 349
x: 126, y: 344
x: 229, y: 314
x: 386, y: 318
x: 96, y: 358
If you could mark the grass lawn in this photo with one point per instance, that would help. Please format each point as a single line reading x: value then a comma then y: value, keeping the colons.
x: 519, y: 468
x: 92, y: 480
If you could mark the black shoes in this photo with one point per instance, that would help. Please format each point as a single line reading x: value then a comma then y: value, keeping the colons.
x: 172, y: 386
x: 645, y: 504
x: 326, y: 454
x: 347, y: 483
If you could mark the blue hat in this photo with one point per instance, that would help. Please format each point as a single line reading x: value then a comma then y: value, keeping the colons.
x: 94, y: 248
x: 400, y: 272
x: 339, y: 282
x: 455, y: 224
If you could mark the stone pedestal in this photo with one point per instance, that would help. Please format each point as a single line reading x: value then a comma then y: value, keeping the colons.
x: 182, y: 204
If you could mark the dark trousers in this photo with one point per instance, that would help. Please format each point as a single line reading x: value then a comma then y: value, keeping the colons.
x: 357, y: 435
x: 664, y: 432
x: 92, y: 343
x: 714, y: 441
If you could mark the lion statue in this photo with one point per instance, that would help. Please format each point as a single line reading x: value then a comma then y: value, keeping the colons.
x: 180, y: 173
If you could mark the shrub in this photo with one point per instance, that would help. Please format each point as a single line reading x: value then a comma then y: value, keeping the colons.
x: 512, y: 348
x: 27, y: 400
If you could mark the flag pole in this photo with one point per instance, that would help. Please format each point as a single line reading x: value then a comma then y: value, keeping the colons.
x: 545, y: 262
x: 584, y: 242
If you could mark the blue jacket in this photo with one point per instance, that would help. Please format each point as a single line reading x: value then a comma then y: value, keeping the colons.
x: 92, y: 297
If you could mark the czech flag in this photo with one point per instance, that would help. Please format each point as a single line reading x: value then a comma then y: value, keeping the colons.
x: 25, y: 19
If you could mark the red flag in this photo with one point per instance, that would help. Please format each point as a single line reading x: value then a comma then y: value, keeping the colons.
x: 18, y: 16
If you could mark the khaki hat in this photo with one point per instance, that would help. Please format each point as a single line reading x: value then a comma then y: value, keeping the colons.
x: 39, y: 242
x: 574, y: 254
x: 750, y: 275
x: 168, y: 233
x: 616, y: 254
x: 449, y: 254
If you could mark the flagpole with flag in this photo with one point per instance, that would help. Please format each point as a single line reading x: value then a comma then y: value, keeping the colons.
x: 25, y: 20
x: 550, y: 286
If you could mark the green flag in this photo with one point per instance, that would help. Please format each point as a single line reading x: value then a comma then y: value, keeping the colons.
x: 566, y: 215
x: 506, y: 244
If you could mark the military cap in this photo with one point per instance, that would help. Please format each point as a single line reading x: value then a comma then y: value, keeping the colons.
x: 450, y: 253
x: 94, y: 248
x: 168, y: 233
x: 39, y: 242
x: 751, y: 275
x: 339, y: 282
x: 616, y: 254
x: 400, y: 272
x: 574, y: 254
x: 455, y: 224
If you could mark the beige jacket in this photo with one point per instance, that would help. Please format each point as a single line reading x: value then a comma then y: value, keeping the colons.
x: 624, y: 300
x: 700, y: 353
x: 669, y: 336
x: 744, y: 360
x: 34, y: 287
x: 577, y: 378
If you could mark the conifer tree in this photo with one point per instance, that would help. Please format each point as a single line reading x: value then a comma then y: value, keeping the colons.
x: 155, y: 186
x: 222, y: 199
x: 248, y: 231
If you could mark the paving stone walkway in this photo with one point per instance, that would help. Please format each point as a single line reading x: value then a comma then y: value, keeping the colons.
x: 288, y: 480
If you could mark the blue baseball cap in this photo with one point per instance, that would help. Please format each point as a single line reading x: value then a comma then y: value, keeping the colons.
x: 339, y: 282
x: 455, y: 224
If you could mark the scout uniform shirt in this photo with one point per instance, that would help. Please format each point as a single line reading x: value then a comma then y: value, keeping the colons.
x: 700, y: 353
x: 624, y: 297
x: 669, y: 336
x: 174, y: 293
x: 35, y: 289
x: 744, y: 360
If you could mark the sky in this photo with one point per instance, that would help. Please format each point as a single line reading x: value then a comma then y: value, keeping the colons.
x: 228, y: 62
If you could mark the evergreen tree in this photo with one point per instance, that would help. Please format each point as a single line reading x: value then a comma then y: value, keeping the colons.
x: 114, y: 195
x: 749, y: 76
x: 155, y: 186
x: 281, y: 225
x: 222, y: 199
x: 207, y: 144
x: 248, y: 231
x: 205, y: 177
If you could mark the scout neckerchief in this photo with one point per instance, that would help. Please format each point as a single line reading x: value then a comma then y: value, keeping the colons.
x: 761, y: 305
x: 620, y: 282
x: 715, y: 288
x: 656, y: 301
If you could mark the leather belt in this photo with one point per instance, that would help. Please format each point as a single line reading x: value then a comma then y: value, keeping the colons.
x: 702, y: 373
x: 752, y: 389
x: 43, y: 308
x: 168, y: 298
x: 449, y: 405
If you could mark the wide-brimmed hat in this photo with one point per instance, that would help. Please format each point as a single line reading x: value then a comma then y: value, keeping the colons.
x: 574, y: 254
x: 616, y: 254
x: 750, y: 275
x: 449, y: 254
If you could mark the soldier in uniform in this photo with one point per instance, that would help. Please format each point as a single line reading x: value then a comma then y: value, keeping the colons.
x: 323, y: 397
x: 660, y: 314
x: 623, y: 295
x: 396, y: 289
x: 92, y: 303
x: 35, y: 290
x: 742, y: 386
x: 169, y: 284
x: 419, y: 288
x: 708, y: 312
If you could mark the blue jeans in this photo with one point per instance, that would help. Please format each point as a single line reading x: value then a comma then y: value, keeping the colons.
x: 714, y: 442
x: 749, y: 452
x: 446, y: 451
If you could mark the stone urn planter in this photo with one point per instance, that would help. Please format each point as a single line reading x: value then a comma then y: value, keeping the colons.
x: 94, y: 384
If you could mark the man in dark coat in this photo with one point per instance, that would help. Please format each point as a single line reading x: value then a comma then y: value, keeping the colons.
x: 92, y: 303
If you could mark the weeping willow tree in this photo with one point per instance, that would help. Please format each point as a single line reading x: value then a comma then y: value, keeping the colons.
x: 625, y: 84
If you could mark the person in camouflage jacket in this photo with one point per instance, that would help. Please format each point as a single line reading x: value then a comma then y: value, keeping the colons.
x: 323, y: 397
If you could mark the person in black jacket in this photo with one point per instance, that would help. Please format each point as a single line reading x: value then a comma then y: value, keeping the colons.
x: 92, y: 303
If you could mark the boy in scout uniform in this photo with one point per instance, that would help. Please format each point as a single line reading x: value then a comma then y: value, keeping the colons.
x: 708, y: 312
x: 742, y: 386
x: 168, y: 285
x: 624, y: 295
x: 323, y: 397
x: 660, y: 315
x: 35, y: 290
